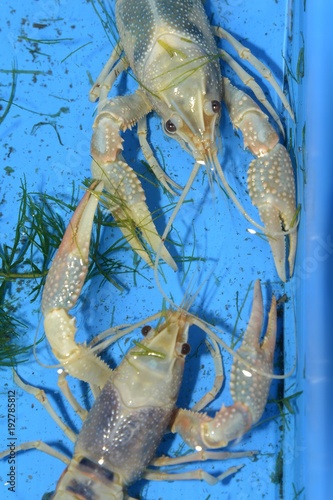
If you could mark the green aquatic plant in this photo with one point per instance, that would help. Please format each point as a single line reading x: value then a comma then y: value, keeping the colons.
x: 286, y: 406
x: 22, y: 71
x: 277, y: 475
x: 11, y: 96
x: 10, y: 102
x: 303, y: 168
x: 47, y: 42
x: 51, y: 124
x: 297, y: 494
x: 21, y: 261
x: 11, y: 330
x: 239, y: 307
x: 299, y: 72
x: 74, y: 51
x: 146, y: 351
x: 24, y: 262
x: 107, y: 20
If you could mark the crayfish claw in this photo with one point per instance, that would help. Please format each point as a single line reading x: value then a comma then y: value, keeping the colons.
x: 251, y: 376
x: 272, y: 190
x: 126, y: 198
x: 127, y: 203
x: 62, y: 289
x: 137, y: 218
x: 270, y: 176
x: 249, y: 387
x: 70, y: 266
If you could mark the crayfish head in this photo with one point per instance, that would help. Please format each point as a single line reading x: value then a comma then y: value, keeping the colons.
x: 192, y: 115
x: 163, y: 350
x: 169, y: 339
x: 183, y: 82
x: 194, y: 126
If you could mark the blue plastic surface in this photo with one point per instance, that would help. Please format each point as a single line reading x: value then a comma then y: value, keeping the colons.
x: 318, y: 257
x: 295, y: 449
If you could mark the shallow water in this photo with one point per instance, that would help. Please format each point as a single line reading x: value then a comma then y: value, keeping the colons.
x: 51, y: 150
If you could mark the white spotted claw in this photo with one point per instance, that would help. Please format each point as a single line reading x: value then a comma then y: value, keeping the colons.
x: 249, y: 387
x: 270, y: 177
x: 127, y: 200
x: 62, y: 289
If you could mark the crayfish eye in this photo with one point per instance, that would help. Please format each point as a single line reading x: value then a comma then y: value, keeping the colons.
x: 170, y: 127
x: 145, y: 330
x: 185, y: 348
x: 212, y: 107
x: 216, y: 106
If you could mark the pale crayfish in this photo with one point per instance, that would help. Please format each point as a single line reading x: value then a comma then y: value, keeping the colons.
x: 135, y: 403
x: 171, y: 49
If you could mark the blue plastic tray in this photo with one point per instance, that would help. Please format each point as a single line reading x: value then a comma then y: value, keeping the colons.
x: 315, y: 260
x: 50, y: 147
